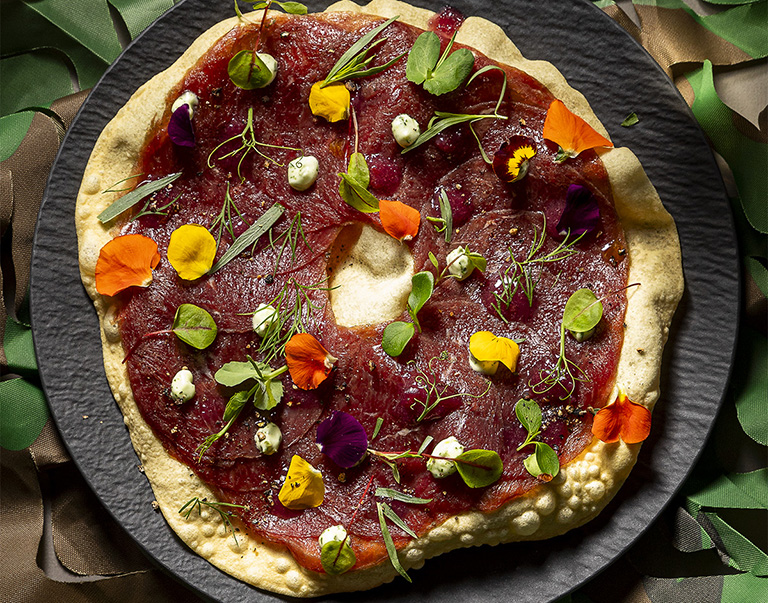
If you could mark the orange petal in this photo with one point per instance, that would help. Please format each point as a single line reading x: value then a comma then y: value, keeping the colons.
x: 126, y: 261
x: 622, y: 419
x: 572, y: 133
x: 399, y: 220
x: 308, y: 362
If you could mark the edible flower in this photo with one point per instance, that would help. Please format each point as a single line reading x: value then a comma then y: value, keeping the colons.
x: 308, y: 362
x: 510, y: 163
x: 126, y: 261
x: 303, y: 487
x: 570, y: 132
x: 330, y: 102
x: 399, y: 220
x: 581, y: 213
x: 191, y: 251
x: 342, y: 438
x: 180, y: 128
x: 485, y: 347
x: 622, y: 419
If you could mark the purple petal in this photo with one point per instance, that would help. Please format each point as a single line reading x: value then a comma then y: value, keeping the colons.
x: 180, y: 128
x: 581, y: 213
x: 342, y: 439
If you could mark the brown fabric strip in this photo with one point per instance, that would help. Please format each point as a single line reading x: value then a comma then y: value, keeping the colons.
x: 68, y: 106
x: 48, y: 450
x: 6, y: 268
x: 615, y: 12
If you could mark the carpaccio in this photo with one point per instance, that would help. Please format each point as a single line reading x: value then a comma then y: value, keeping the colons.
x: 490, y: 217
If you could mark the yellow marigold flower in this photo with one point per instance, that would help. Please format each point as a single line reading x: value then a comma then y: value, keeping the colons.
x: 485, y: 347
x: 303, y: 487
x: 191, y: 251
x: 331, y: 102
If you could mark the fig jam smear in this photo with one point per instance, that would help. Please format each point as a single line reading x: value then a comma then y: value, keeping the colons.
x: 491, y: 217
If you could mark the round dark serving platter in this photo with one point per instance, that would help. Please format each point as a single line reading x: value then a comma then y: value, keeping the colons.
x: 618, y: 77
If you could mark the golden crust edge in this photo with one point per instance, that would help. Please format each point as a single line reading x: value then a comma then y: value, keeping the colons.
x: 584, y: 486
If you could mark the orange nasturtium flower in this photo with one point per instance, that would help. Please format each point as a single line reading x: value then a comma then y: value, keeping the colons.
x: 191, y: 251
x: 303, y: 487
x: 622, y: 419
x: 486, y: 347
x: 308, y: 362
x: 126, y: 261
x: 399, y: 220
x: 572, y: 133
x: 330, y: 102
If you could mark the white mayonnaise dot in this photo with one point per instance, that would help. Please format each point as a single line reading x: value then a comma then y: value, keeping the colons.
x: 302, y: 172
x: 448, y: 448
x: 264, y: 318
x: 333, y: 533
x: 270, y: 63
x: 486, y: 367
x: 405, y: 129
x: 182, y: 388
x: 187, y: 98
x: 268, y: 438
x: 459, y: 264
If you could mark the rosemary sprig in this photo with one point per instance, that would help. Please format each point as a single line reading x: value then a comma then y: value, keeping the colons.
x: 442, y: 120
x: 139, y: 193
x: 248, y: 143
x: 224, y: 220
x: 354, y: 62
x: 197, y: 503
x: 523, y: 275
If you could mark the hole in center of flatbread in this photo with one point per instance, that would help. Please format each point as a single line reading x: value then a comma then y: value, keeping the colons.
x: 369, y: 274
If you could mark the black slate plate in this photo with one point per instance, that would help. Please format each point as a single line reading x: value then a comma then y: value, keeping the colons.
x: 617, y: 77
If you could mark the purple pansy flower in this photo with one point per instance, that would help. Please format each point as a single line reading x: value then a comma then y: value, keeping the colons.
x: 581, y: 213
x: 342, y: 439
x: 180, y: 128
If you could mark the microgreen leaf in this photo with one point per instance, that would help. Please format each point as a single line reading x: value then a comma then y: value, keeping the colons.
x: 136, y: 195
x: 248, y: 71
x: 234, y: 373
x: 396, y: 336
x: 292, y: 8
x: 529, y: 415
x: 337, y: 557
x: 401, y: 496
x: 267, y: 394
x: 479, y: 468
x: 583, y: 311
x: 476, y: 260
x: 423, y: 57
x: 433, y: 259
x: 543, y: 463
x: 234, y: 406
x: 377, y: 428
x: 250, y: 236
x: 446, y: 213
x: 422, y: 286
x: 451, y: 72
x: 388, y: 543
x: 356, y: 195
x: 194, y: 326
x: 630, y: 120
x: 358, y: 170
x: 427, y: 441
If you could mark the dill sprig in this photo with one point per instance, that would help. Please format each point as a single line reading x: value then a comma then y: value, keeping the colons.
x: 564, y: 369
x: 224, y: 220
x: 523, y: 275
x: 248, y: 143
x: 197, y: 503
x: 289, y: 239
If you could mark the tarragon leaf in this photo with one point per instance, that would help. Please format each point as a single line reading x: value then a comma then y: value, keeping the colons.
x: 194, y: 326
x: 140, y: 192
x: 394, y: 518
x: 250, y: 236
x: 401, y: 496
x: 388, y: 542
x: 446, y: 213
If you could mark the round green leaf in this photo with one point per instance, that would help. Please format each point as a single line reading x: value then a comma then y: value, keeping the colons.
x: 423, y: 57
x: 337, y: 557
x: 396, y: 336
x: 451, y: 72
x: 422, y: 286
x: 543, y: 461
x: 583, y: 311
x: 194, y: 326
x: 248, y: 71
x: 479, y: 468
x: 529, y: 415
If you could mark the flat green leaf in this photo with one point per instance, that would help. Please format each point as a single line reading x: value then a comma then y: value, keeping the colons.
x: 357, y: 47
x: 422, y: 286
x: 427, y: 441
x: 377, y: 427
x: 451, y: 72
x: 395, y: 518
x: 194, y: 326
x: 583, y: 311
x: 138, y: 194
x: 479, y: 468
x: 234, y: 373
x: 358, y: 170
x: 543, y: 461
x: 423, y: 57
x: 477, y: 260
x: 433, y: 259
x: 401, y: 496
x: 630, y: 120
x: 268, y: 394
x: 388, y: 543
x: 356, y: 195
x: 396, y: 336
x: 248, y: 71
x: 292, y: 8
x: 337, y: 557
x: 250, y: 236
x: 446, y: 213
x: 235, y: 405
x: 529, y: 415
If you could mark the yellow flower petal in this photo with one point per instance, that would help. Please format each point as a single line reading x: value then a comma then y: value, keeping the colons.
x: 486, y: 347
x: 331, y: 102
x: 191, y: 251
x: 303, y: 487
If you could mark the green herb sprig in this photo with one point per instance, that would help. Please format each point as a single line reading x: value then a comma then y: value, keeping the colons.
x: 219, y: 507
x: 543, y: 462
x: 223, y: 221
x: 438, y: 73
x: 397, y: 334
x: 353, y: 187
x: 445, y: 222
x: 288, y: 240
x: 138, y: 194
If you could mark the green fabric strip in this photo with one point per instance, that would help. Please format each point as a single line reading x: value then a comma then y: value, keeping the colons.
x: 40, y: 66
x: 23, y: 413
x: 759, y: 274
x: 13, y: 127
x: 139, y: 14
x: 744, y: 555
x: 750, y: 385
x: 741, y: 588
x: 18, y: 348
x: 734, y: 491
